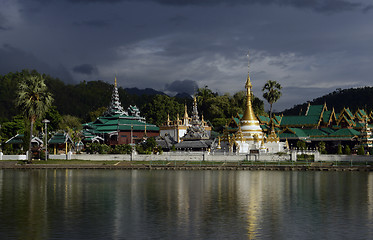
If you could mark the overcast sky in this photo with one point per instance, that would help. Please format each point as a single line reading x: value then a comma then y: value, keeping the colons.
x: 311, y: 47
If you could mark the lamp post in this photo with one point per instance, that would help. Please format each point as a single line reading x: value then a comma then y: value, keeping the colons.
x: 46, y: 121
x: 1, y: 141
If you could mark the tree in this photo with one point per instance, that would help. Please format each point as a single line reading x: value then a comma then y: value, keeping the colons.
x: 33, y: 99
x: 203, y: 96
x: 70, y: 122
x: 301, y: 145
x: 159, y: 107
x: 271, y: 93
x: 92, y: 116
x: 361, y: 150
x: 347, y: 150
x: 339, y: 149
x: 322, y: 147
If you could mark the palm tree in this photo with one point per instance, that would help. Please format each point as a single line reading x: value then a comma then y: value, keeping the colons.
x: 271, y: 93
x: 33, y: 99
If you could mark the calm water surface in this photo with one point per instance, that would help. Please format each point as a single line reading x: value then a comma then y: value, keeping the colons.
x: 125, y: 204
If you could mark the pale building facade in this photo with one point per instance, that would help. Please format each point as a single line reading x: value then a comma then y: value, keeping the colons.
x: 178, y: 129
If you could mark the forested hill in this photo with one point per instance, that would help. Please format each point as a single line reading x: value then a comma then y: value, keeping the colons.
x: 88, y: 100
x: 353, y: 98
x: 76, y: 100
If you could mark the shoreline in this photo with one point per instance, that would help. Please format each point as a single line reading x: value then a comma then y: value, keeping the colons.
x: 230, y: 166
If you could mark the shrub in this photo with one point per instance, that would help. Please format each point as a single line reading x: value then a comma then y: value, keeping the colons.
x: 322, y: 147
x: 301, y: 145
x: 339, y: 149
x: 347, y: 150
x: 360, y: 150
x: 122, y: 149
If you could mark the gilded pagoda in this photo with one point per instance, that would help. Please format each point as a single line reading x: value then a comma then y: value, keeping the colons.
x: 248, y: 136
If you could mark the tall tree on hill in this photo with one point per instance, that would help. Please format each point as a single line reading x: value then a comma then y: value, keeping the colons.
x: 33, y: 99
x: 271, y: 93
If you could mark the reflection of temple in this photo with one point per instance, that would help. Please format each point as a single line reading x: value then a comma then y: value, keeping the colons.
x: 118, y: 126
x: 190, y: 127
x: 249, y: 136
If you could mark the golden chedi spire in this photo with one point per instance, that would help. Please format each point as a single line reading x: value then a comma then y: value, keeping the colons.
x: 249, y: 112
x: 186, y: 117
x: 185, y: 111
x: 250, y: 125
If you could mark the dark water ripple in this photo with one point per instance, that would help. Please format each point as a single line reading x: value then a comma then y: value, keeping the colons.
x: 124, y: 204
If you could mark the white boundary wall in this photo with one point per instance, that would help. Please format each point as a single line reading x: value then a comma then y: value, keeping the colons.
x: 12, y: 157
x: 345, y: 158
x: 198, y: 156
x: 181, y: 156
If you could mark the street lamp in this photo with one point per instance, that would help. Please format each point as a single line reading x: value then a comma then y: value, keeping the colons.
x: 0, y: 139
x: 46, y: 121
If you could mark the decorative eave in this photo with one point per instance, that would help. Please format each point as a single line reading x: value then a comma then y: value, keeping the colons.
x: 322, y: 114
x: 343, y: 118
x: 332, y: 117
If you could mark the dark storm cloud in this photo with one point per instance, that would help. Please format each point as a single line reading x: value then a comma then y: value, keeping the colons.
x: 184, y: 86
x: 92, y: 23
x: 13, y: 59
x: 317, y: 5
x: 177, y: 20
x: 86, y: 69
x: 94, y: 1
x: 368, y: 8
x: 3, y: 23
x: 150, y: 43
x: 327, y: 6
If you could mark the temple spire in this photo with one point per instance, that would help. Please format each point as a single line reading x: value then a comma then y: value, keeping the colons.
x: 115, y: 104
x: 186, y: 117
x: 249, y: 112
x: 195, y: 116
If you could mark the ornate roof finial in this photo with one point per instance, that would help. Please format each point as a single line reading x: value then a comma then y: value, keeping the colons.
x: 249, y: 113
x: 248, y: 82
x: 195, y: 110
x: 185, y: 111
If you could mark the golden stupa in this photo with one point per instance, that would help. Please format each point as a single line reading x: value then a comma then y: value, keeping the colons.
x: 250, y: 126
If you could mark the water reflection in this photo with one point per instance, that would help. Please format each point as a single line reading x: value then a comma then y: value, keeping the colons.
x: 118, y: 204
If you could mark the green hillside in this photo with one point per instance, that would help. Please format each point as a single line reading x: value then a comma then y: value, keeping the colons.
x: 88, y: 99
x: 353, y: 98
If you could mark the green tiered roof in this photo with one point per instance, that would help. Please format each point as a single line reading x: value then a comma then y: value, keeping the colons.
x: 60, y: 138
x: 314, y: 110
x: 18, y: 139
x: 318, y: 123
x: 299, y: 121
x: 116, y: 119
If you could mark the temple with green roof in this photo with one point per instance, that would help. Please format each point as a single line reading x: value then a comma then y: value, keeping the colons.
x: 318, y: 124
x: 118, y: 126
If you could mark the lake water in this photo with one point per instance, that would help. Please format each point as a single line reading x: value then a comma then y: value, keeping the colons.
x: 143, y: 204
